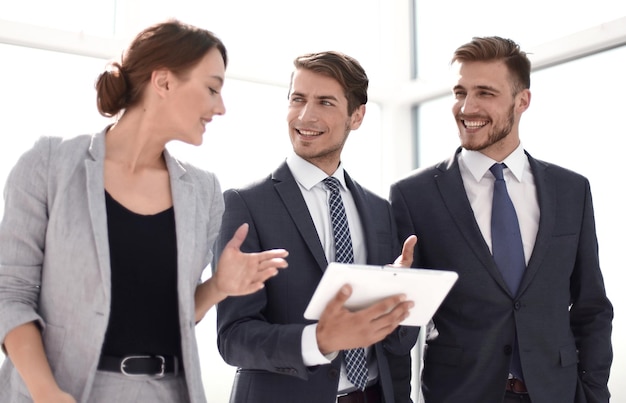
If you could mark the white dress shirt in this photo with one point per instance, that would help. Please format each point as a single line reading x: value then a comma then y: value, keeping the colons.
x: 316, y: 196
x: 520, y: 183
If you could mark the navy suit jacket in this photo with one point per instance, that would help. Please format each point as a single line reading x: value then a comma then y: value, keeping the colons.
x: 561, y: 313
x: 261, y: 333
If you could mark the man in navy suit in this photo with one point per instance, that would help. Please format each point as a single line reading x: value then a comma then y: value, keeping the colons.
x: 282, y: 357
x: 557, y: 323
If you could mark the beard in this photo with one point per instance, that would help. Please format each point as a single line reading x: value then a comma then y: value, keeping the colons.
x: 330, y: 152
x: 497, y: 133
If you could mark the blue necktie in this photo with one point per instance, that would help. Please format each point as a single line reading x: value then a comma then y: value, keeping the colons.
x: 356, y: 365
x: 506, y: 246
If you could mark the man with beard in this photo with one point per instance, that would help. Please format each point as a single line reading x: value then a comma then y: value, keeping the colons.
x: 528, y: 319
x: 281, y: 356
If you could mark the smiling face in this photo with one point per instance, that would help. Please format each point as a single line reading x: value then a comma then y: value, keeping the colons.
x: 195, y: 97
x: 318, y: 119
x: 486, y: 110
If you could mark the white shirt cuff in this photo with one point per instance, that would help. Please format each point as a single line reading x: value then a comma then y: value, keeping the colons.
x: 311, y: 354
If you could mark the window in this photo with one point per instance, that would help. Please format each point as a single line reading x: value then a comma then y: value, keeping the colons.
x: 442, y: 26
x: 94, y: 17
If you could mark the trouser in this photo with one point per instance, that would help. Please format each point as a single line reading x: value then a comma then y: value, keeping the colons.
x: 512, y: 397
x: 114, y: 387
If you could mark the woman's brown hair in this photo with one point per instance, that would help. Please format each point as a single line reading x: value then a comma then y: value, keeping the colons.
x: 172, y: 45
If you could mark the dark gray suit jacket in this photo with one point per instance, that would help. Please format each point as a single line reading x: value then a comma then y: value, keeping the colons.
x: 561, y: 313
x: 261, y: 333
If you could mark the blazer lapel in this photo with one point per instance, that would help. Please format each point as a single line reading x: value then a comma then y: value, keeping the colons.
x: 454, y: 197
x: 365, y: 214
x: 184, y: 200
x: 290, y: 194
x: 546, y: 195
x: 94, y: 168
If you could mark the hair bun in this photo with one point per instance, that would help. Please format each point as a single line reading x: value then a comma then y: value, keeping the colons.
x: 112, y: 90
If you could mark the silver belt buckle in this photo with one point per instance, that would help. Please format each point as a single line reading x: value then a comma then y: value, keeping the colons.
x: 157, y: 375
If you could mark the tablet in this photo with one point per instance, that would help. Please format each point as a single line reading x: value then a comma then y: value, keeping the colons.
x: 425, y: 287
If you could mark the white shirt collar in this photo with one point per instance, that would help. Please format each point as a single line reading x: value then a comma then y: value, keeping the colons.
x: 478, y: 163
x: 308, y: 175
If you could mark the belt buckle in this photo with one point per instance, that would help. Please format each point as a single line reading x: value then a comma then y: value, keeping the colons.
x: 157, y: 375
x: 516, y: 386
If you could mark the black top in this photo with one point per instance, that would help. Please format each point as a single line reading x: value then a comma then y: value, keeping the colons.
x: 144, y: 300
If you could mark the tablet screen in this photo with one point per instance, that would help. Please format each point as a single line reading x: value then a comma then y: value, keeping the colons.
x: 425, y: 287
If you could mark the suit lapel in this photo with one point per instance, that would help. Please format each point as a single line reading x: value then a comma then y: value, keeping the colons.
x: 94, y: 168
x: 449, y: 182
x: 453, y: 195
x: 546, y: 195
x: 365, y: 214
x: 290, y: 194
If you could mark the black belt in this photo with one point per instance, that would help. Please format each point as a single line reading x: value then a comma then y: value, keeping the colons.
x: 371, y: 394
x: 153, y: 366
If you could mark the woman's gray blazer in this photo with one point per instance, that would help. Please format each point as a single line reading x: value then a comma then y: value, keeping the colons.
x: 54, y: 258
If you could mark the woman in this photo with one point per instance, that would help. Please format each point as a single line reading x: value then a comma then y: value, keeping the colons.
x: 104, y: 238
